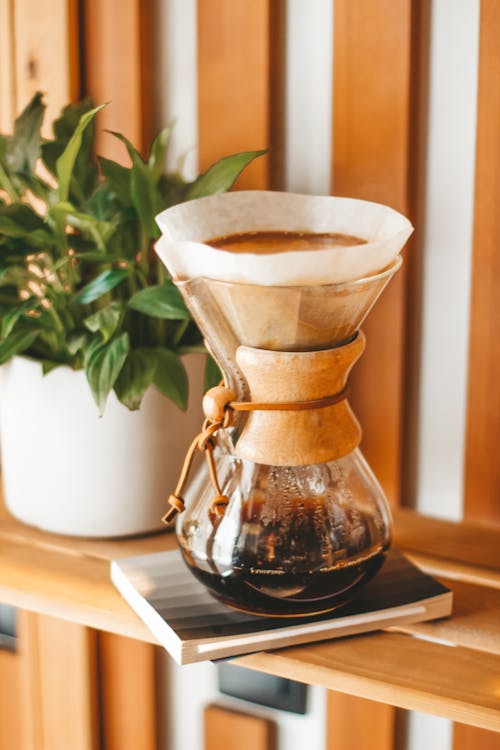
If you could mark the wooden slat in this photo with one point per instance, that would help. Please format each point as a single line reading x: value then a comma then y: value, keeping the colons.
x: 240, y: 49
x: 372, y: 97
x: 127, y: 690
x: 46, y: 53
x: 472, y: 738
x: 10, y: 701
x: 59, y: 684
x: 117, y: 68
x: 482, y: 468
x: 239, y: 731
x: 373, y: 100
x: 7, y: 67
x: 482, y: 475
x: 348, y: 719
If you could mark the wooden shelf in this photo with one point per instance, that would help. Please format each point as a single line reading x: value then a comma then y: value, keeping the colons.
x: 449, y: 667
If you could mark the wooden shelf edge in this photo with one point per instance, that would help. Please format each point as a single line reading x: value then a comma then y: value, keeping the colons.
x: 296, y: 666
x: 69, y: 578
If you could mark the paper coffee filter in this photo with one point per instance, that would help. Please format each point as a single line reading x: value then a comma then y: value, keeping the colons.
x: 188, y: 227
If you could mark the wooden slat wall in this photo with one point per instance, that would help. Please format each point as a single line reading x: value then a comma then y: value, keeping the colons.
x: 238, y: 77
x: 240, y: 72
x: 482, y: 467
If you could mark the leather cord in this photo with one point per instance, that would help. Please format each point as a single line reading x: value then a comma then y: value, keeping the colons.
x: 204, y: 443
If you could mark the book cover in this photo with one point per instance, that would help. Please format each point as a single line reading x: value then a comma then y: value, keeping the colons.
x: 193, y: 626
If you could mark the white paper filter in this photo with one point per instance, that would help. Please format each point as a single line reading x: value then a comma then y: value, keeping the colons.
x: 188, y: 227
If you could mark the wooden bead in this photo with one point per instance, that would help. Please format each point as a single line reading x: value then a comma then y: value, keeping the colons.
x: 215, y: 401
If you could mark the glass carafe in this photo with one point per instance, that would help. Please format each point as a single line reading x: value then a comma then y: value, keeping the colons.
x: 297, y: 521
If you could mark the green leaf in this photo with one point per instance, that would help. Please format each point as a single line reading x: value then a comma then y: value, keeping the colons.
x: 18, y: 341
x: 10, y: 319
x: 19, y: 219
x: 105, y: 282
x: 143, y: 191
x: 48, y: 365
x: 161, y: 301
x: 136, y: 376
x: 173, y: 189
x: 170, y: 377
x: 98, y: 231
x: 104, y: 367
x: 66, y: 162
x: 24, y: 145
x: 118, y: 178
x: 213, y: 375
x: 156, y: 161
x: 220, y: 176
x: 91, y: 347
x: 105, y: 321
x: 76, y: 341
x: 85, y: 172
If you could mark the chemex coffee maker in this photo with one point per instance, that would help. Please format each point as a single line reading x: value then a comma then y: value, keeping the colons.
x: 285, y: 517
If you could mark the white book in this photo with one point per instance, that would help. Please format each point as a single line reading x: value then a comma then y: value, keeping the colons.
x: 194, y: 626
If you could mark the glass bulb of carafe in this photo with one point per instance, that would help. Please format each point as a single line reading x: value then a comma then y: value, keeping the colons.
x: 293, y: 540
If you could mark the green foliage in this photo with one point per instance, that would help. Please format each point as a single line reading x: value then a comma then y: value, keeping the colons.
x: 79, y: 283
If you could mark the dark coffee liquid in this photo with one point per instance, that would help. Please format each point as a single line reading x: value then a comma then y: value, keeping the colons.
x: 283, y: 242
x: 289, y: 576
x: 270, y: 593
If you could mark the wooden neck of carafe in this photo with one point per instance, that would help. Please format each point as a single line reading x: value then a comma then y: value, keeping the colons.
x: 303, y: 436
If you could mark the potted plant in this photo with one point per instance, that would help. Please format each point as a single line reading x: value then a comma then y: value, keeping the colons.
x: 85, y: 303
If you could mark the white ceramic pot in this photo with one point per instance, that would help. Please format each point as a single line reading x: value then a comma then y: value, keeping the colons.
x: 67, y: 470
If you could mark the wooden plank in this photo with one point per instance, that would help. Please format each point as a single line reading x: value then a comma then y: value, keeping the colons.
x: 482, y: 472
x: 372, y: 98
x: 117, y: 68
x: 472, y: 738
x: 46, y: 53
x: 7, y: 67
x: 482, y: 468
x: 238, y: 83
x: 128, y: 693
x: 457, y: 683
x: 59, y: 685
x: 11, y: 713
x: 225, y: 728
x: 348, y: 719
x: 475, y: 622
x: 466, y: 543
